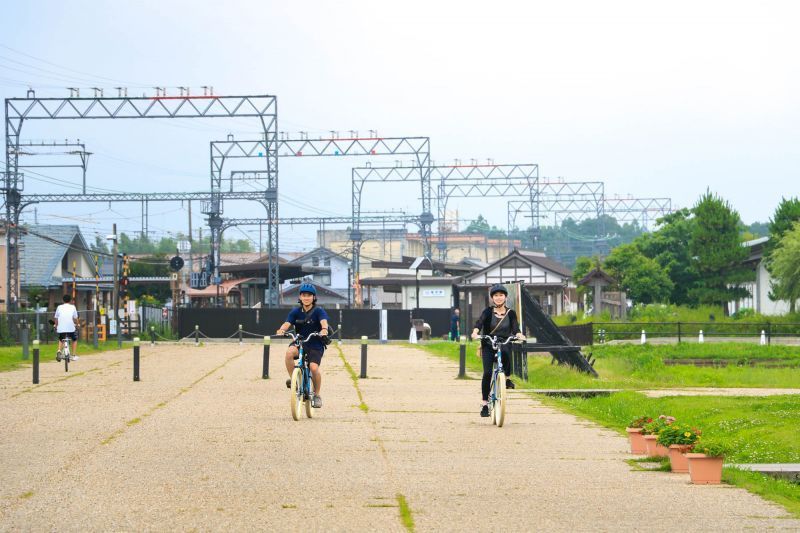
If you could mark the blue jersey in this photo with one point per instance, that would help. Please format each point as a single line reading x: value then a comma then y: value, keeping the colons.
x: 307, y: 323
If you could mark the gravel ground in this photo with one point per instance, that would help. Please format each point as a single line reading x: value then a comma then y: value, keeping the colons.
x: 202, y: 443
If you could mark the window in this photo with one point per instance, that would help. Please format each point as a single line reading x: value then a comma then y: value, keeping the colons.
x: 327, y: 262
x: 315, y: 261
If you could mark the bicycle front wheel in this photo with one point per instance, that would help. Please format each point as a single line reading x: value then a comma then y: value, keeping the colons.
x: 500, y: 402
x: 297, y: 393
x: 310, y: 388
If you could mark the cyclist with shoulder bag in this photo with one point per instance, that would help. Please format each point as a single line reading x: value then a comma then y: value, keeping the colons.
x: 499, y: 321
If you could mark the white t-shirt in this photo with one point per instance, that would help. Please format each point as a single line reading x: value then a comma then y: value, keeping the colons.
x: 65, y: 313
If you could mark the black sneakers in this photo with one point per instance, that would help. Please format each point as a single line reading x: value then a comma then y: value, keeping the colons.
x: 510, y: 384
x: 485, y: 411
x: 289, y: 383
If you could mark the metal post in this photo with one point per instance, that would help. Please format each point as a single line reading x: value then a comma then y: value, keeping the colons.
x: 152, y: 335
x: 679, y: 332
x: 265, y: 366
x: 196, y: 335
x: 462, y: 357
x: 38, y: 327
x: 240, y: 334
x: 24, y: 334
x: 95, y: 342
x: 136, y: 359
x: 35, y: 361
x: 769, y: 334
x: 340, y: 327
x: 363, y: 356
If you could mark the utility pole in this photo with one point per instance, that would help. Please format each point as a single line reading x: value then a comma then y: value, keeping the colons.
x: 191, y: 246
x: 115, y: 295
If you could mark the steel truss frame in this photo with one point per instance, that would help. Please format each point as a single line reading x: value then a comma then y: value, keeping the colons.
x: 18, y: 110
x: 419, y: 147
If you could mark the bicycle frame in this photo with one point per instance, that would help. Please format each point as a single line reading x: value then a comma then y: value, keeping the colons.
x: 498, y: 369
x: 302, y: 363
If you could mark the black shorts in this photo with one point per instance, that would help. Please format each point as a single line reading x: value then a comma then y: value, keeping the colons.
x: 72, y: 335
x: 313, y: 355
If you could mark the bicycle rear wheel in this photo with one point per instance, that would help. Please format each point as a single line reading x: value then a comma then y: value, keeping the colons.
x: 500, y: 402
x: 297, y: 393
x: 66, y: 355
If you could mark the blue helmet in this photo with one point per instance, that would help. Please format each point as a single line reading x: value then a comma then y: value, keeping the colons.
x: 309, y: 288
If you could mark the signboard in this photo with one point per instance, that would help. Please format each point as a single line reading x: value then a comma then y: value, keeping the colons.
x: 433, y: 293
x: 112, y: 327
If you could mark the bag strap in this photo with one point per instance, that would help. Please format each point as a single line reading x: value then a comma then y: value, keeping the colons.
x: 501, y: 321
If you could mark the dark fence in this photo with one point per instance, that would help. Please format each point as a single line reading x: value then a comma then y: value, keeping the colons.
x: 580, y: 335
x: 354, y: 323
x: 682, y: 331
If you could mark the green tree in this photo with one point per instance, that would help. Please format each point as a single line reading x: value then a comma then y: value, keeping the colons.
x: 717, y: 253
x: 641, y: 277
x: 786, y: 214
x: 481, y: 225
x: 584, y: 265
x: 669, y: 247
x: 785, y: 265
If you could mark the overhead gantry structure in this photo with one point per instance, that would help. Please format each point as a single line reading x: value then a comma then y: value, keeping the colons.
x: 99, y: 107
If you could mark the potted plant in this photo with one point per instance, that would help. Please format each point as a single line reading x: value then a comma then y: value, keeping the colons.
x: 651, y: 431
x: 705, y: 463
x: 678, y: 439
x: 635, y: 434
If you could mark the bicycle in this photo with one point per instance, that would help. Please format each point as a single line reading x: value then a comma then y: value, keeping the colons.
x: 63, y: 352
x: 497, y: 390
x: 302, y: 386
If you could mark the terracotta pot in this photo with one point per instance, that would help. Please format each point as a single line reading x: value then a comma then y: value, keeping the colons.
x: 677, y: 459
x: 705, y: 470
x: 653, y: 448
x: 638, y: 445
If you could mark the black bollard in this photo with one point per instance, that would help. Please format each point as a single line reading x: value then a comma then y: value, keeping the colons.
x: 363, y: 356
x: 462, y: 357
x: 152, y: 335
x: 136, y: 359
x: 35, y: 362
x: 240, y: 334
x: 265, y: 366
x: 196, y: 335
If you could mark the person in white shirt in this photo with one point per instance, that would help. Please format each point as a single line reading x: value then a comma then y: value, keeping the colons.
x: 66, y: 322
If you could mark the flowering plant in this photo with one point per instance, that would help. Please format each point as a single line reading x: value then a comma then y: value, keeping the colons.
x: 655, y: 426
x: 711, y: 449
x: 640, y: 422
x: 678, y: 434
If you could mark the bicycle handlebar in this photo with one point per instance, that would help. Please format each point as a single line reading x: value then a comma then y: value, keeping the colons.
x: 494, y: 340
x: 296, y: 337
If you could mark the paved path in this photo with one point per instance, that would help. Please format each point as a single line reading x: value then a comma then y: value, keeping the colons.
x: 718, y: 391
x: 203, y: 443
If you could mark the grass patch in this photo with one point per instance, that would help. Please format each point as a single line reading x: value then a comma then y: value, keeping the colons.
x: 26, y: 495
x: 11, y: 356
x: 758, y: 430
x: 362, y: 405
x: 288, y: 506
x: 405, y: 513
x: 660, y: 464
x: 642, y: 367
x: 133, y: 421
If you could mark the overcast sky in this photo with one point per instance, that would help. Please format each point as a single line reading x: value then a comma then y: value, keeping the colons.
x: 655, y: 99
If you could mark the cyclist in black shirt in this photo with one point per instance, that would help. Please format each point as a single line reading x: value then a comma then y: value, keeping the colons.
x: 499, y: 321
